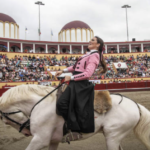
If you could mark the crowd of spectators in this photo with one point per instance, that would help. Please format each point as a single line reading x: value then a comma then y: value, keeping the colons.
x: 136, y: 67
x: 38, y: 68
x: 16, y: 70
x: 32, y: 67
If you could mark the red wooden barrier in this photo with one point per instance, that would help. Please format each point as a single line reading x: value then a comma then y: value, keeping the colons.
x: 136, y: 85
x: 148, y: 84
x: 100, y: 86
x: 109, y: 86
x: 116, y: 85
x: 2, y: 91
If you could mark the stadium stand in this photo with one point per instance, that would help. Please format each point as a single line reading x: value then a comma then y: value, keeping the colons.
x: 34, y: 68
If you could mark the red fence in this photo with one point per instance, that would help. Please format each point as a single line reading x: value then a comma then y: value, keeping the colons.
x: 112, y: 86
x: 2, y: 91
x: 137, y: 86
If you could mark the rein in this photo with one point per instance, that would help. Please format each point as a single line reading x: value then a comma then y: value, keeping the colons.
x: 27, y: 123
x: 46, y: 96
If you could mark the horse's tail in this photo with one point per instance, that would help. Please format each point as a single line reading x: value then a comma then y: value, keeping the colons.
x: 142, y: 129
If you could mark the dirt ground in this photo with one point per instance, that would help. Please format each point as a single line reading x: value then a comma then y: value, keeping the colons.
x: 10, y: 139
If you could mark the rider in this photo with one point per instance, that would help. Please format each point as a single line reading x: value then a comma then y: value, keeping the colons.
x: 76, y: 103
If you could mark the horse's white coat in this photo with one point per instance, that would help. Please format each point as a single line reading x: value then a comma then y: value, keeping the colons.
x: 46, y: 125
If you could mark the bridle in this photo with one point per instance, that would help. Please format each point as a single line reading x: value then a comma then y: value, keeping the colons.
x: 27, y: 123
x: 24, y: 125
x: 5, y: 115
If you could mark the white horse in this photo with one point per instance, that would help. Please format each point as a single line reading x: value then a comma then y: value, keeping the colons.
x: 46, y: 126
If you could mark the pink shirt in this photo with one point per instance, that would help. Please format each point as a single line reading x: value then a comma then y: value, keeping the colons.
x: 87, y: 66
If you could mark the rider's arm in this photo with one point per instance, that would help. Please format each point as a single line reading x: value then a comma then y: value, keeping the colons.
x: 69, y: 69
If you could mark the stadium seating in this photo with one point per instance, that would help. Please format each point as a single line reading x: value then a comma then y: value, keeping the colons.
x: 29, y: 67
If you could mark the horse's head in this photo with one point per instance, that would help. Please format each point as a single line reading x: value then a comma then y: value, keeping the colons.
x: 14, y: 118
x: 21, y: 98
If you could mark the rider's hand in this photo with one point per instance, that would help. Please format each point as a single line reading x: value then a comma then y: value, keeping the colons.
x: 58, y: 73
x: 67, y: 78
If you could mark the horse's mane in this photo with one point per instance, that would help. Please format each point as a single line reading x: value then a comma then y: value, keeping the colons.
x: 23, y: 93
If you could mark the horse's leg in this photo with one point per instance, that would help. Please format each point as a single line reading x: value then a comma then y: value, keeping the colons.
x: 41, y: 136
x: 120, y: 148
x: 42, y: 139
x: 113, y: 139
x: 36, y: 143
x: 112, y: 144
x: 53, y: 146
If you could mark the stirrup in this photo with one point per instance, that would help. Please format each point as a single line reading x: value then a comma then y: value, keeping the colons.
x: 71, y: 136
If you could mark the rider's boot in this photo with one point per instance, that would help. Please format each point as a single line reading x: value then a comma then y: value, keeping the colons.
x: 65, y: 129
x: 71, y: 136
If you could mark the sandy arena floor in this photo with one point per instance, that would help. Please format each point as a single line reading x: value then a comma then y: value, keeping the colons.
x: 10, y: 139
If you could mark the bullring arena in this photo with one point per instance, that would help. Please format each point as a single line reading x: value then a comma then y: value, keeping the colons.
x: 36, y: 62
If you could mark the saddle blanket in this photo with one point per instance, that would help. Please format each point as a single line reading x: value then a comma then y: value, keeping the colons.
x: 102, y: 101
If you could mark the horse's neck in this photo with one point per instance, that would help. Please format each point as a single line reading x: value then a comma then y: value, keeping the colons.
x: 26, y: 106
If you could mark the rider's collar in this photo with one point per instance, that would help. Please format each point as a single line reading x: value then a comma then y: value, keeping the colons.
x: 93, y: 50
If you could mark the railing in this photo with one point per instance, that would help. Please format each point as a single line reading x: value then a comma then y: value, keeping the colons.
x: 134, y: 86
x: 112, y: 87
